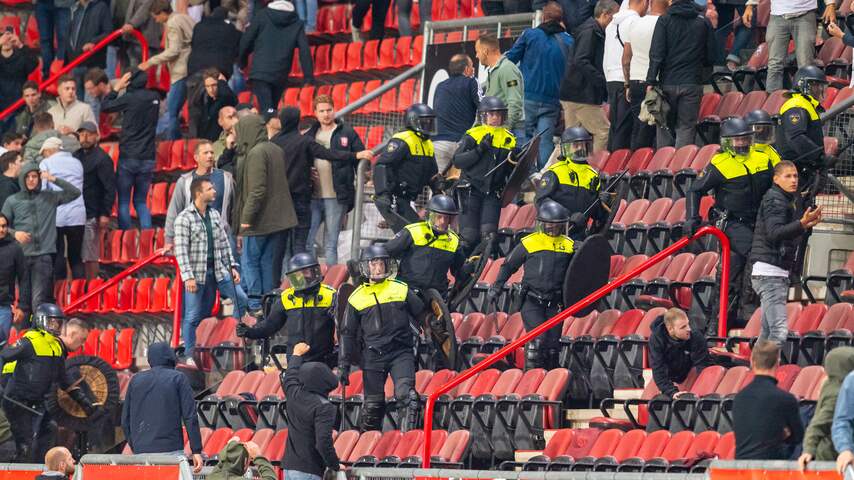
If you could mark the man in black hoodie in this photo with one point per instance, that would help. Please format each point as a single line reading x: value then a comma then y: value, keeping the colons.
x: 158, y: 401
x: 206, y: 100
x: 215, y: 44
x: 99, y: 192
x: 301, y: 151
x: 311, y: 417
x: 274, y: 34
x: 16, y: 63
x: 137, y: 150
x: 683, y: 42
x: 13, y: 271
x: 674, y: 349
x: 10, y: 164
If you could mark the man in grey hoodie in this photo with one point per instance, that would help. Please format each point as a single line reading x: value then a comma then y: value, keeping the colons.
x: 32, y: 221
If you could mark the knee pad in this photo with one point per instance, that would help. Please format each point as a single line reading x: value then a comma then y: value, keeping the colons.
x: 372, y: 413
x: 533, y: 354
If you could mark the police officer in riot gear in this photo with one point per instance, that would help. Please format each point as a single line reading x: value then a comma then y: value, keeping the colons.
x: 739, y: 176
x: 574, y: 184
x: 37, y: 361
x: 306, y: 309
x: 405, y: 167
x: 764, y: 133
x: 802, y: 139
x: 486, y: 155
x: 380, y: 326
x: 545, y: 255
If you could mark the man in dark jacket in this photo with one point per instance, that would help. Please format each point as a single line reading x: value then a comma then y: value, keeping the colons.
x: 674, y: 349
x: 302, y: 150
x: 13, y: 272
x: 158, y: 401
x: 780, y: 224
x: 274, y: 34
x: 215, y: 44
x: 766, y: 420
x: 91, y: 22
x: 683, y: 42
x: 99, y: 193
x: 16, y: 63
x: 206, y: 102
x: 10, y: 163
x: 583, y: 89
x: 455, y: 104
x: 34, y: 103
x: 311, y: 417
x: 137, y: 150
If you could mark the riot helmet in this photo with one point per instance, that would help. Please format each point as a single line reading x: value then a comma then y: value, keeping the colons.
x: 49, y: 317
x: 421, y: 118
x: 441, y: 211
x: 552, y: 218
x: 576, y: 144
x: 492, y: 112
x: 303, y: 272
x: 736, y: 136
x: 811, y: 80
x: 376, y: 264
x: 763, y: 127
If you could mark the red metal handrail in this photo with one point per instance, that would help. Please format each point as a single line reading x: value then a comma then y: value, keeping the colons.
x: 77, y: 61
x: 176, y: 301
x: 586, y: 302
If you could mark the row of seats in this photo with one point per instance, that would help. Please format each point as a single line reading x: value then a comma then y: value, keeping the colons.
x: 358, y: 60
x: 395, y: 100
x: 335, y: 20
x: 147, y: 295
x: 839, y: 283
x: 113, y: 346
x: 127, y: 246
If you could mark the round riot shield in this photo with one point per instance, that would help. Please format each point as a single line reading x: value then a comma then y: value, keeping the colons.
x: 98, y: 381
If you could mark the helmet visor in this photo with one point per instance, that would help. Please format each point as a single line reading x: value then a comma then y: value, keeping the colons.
x: 440, y: 222
x: 577, y: 151
x: 737, y: 145
x: 816, y: 90
x: 377, y: 269
x: 50, y: 324
x: 426, y: 125
x: 305, y: 278
x: 552, y: 229
x: 492, y: 118
x: 764, y: 134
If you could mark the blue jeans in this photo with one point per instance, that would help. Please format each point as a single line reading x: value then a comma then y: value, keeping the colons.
x: 404, y: 10
x: 326, y: 210
x: 134, y: 174
x: 50, y: 20
x: 169, y: 125
x: 261, y: 262
x: 541, y: 116
x: 297, y: 475
x: 197, y: 306
x: 726, y: 14
x: 307, y: 12
x: 5, y: 322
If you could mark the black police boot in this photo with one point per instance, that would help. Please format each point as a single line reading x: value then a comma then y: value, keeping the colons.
x: 412, y: 407
x: 372, y: 413
x: 534, y: 355
x: 552, y: 358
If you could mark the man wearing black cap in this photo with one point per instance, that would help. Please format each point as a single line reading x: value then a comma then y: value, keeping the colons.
x: 99, y: 192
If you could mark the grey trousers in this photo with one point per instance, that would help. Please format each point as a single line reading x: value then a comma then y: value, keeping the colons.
x: 780, y: 30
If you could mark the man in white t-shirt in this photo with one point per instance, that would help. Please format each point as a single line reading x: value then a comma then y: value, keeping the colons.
x: 637, y: 37
x: 620, y: 131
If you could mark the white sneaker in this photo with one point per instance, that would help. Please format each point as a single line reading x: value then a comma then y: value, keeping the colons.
x: 190, y: 362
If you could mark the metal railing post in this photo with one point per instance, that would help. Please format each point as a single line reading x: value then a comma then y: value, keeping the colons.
x: 358, y: 209
x: 560, y: 317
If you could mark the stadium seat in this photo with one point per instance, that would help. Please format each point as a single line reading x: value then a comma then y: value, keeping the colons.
x: 661, y: 409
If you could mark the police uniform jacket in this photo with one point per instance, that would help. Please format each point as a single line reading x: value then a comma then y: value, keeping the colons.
x: 574, y: 185
x: 36, y: 361
x: 408, y: 164
x: 768, y: 150
x: 738, y: 185
x: 802, y: 139
x: 475, y: 165
x: 307, y: 317
x: 382, y: 315
x: 426, y: 257
x: 545, y: 258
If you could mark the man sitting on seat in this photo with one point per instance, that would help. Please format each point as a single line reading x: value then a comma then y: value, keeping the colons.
x: 674, y: 349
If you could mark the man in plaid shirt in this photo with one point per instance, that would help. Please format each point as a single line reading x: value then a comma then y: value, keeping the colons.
x: 205, y: 260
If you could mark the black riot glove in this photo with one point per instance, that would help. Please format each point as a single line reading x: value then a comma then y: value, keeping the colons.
x: 492, y: 294
x: 485, y: 143
x: 577, y: 222
x: 605, y: 197
x: 344, y: 374
x: 242, y: 330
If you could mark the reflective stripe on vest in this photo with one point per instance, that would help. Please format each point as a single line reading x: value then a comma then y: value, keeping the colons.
x: 769, y: 151
x: 501, y: 137
x: 576, y: 174
x: 539, y: 241
x: 44, y: 344
x: 799, y: 101
x: 423, y: 236
x: 322, y: 299
x: 368, y: 295
x: 417, y: 145
x: 731, y: 168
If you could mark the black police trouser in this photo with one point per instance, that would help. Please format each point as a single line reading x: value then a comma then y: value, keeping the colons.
x: 399, y: 361
x: 740, y: 240
x: 541, y: 352
x: 34, y: 434
x: 397, y: 214
x: 480, y: 214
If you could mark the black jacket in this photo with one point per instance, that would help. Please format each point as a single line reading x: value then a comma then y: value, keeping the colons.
x: 57, y: 476
x: 274, y: 34
x: 455, y: 104
x: 800, y: 135
x: 545, y: 259
x: 683, y: 42
x: 95, y: 25
x: 778, y: 230
x: 141, y: 108
x: 99, y: 181
x: 13, y: 269
x: 13, y: 73
x: 8, y: 187
x: 476, y: 160
x: 575, y: 12
x: 425, y: 257
x: 344, y: 139
x: 205, y: 110
x: 301, y: 150
x: 36, y: 373
x: 157, y: 402
x: 584, y: 80
x: 760, y: 412
x: 215, y: 43
x: 673, y: 359
x: 311, y: 417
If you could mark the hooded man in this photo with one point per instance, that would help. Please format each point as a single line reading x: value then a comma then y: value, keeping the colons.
x: 32, y: 222
x: 137, y: 149
x: 263, y: 208
x: 272, y: 37
x: 236, y: 457
x: 311, y: 417
x: 818, y: 444
x: 158, y: 401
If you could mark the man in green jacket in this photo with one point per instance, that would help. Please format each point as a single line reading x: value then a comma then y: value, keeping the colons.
x: 263, y: 209
x: 236, y: 457
x: 504, y: 80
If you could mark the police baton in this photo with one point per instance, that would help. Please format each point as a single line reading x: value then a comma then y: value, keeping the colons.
x: 524, y: 147
x: 21, y: 405
x: 614, y: 183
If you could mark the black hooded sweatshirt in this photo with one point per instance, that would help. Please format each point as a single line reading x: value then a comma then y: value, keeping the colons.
x: 215, y: 44
x: 141, y: 109
x: 311, y: 417
x: 13, y: 268
x: 683, y: 42
x: 300, y: 152
x: 274, y: 34
x: 157, y: 402
x: 673, y: 359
